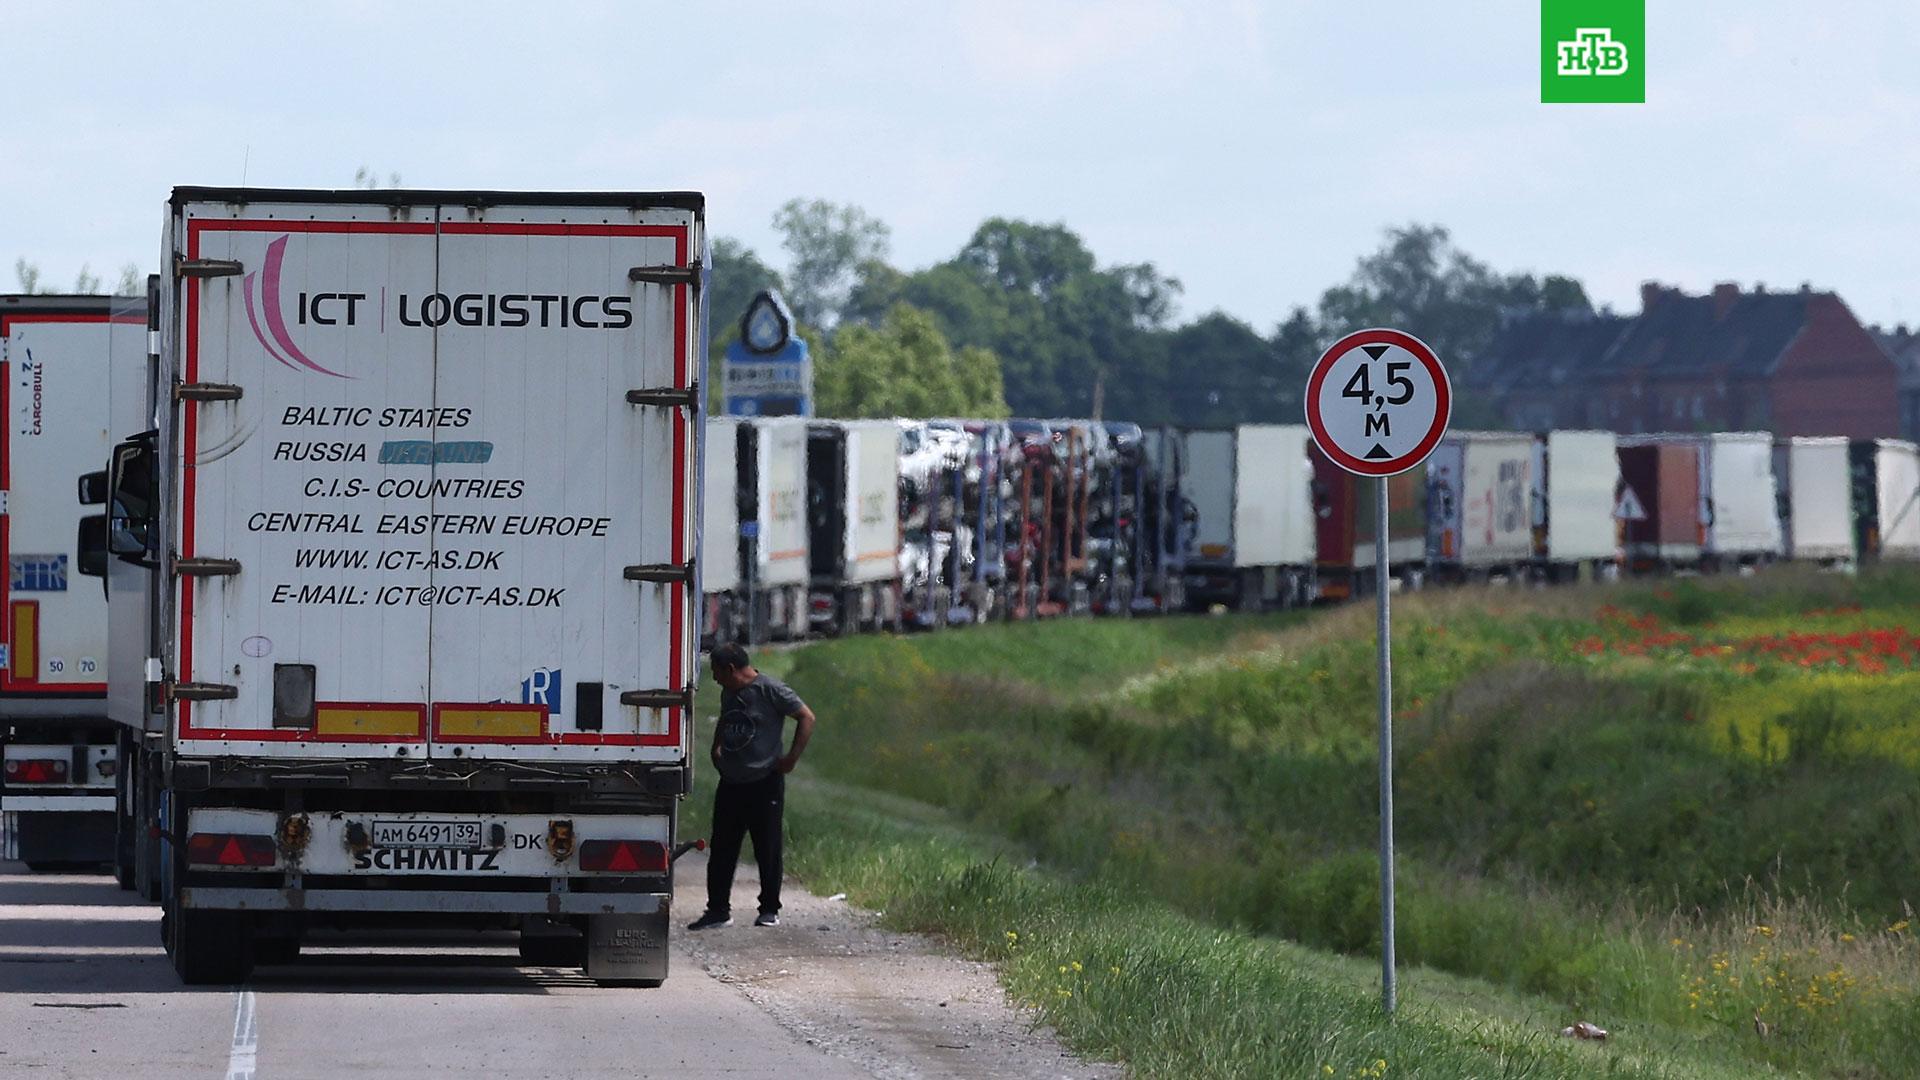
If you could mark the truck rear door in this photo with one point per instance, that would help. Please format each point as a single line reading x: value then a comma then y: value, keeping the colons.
x: 432, y: 522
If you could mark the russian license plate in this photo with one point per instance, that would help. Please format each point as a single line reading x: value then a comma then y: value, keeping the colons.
x: 426, y: 834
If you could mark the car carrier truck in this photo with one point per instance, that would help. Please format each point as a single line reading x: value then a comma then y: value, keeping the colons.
x: 62, y: 358
x: 414, y: 531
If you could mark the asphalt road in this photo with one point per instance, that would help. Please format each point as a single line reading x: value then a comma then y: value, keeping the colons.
x: 86, y: 991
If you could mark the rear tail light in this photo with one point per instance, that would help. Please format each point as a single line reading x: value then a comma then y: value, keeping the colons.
x: 624, y: 856
x: 823, y: 603
x: 229, y: 849
x: 36, y: 771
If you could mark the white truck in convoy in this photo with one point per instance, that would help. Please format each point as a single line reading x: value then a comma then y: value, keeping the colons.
x: 775, y: 572
x: 1576, y: 482
x: 407, y: 555
x: 1273, y: 516
x: 1816, y: 499
x: 1479, y: 522
x: 62, y: 360
x: 853, y: 524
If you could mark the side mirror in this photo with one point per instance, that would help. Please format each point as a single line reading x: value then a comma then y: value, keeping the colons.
x: 92, y: 545
x: 93, y: 488
x: 131, y: 480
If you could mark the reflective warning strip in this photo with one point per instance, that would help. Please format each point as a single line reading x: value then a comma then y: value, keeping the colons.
x: 23, y: 659
x: 371, y: 719
x: 490, y: 723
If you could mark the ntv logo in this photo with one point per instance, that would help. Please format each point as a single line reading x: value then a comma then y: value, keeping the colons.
x: 1592, y: 52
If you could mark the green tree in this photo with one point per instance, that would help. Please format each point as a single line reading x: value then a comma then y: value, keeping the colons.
x: 1060, y: 324
x: 831, y: 245
x: 28, y: 275
x: 1420, y: 281
x: 904, y: 367
x: 132, y: 282
x: 86, y: 283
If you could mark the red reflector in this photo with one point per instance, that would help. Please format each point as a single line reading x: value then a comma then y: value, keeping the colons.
x: 624, y: 856
x: 37, y: 771
x: 229, y: 849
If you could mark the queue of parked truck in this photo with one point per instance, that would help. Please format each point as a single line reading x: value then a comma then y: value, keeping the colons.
x: 977, y: 520
x: 358, y: 572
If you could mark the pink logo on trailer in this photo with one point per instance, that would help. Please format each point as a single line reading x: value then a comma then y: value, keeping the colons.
x: 287, y: 353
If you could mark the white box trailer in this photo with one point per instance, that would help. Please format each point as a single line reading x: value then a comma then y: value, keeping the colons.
x: 1886, y: 498
x: 427, y: 468
x: 1815, y: 498
x: 1273, y: 520
x: 773, y: 465
x: 719, y: 563
x: 1206, y: 485
x: 63, y: 359
x: 1479, y: 484
x: 853, y: 478
x: 1740, y: 502
x: 1576, y: 478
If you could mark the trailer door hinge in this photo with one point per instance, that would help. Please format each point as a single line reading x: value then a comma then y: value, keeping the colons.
x: 666, y: 397
x: 206, y: 391
x: 661, y: 573
x: 659, y: 699
x: 206, y: 268
x: 202, y: 691
x: 206, y: 567
x: 664, y: 275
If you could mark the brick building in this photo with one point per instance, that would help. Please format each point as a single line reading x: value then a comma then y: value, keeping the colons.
x: 1904, y: 346
x: 1794, y: 363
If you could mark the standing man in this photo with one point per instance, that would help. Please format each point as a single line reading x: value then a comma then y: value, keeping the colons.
x: 753, y: 781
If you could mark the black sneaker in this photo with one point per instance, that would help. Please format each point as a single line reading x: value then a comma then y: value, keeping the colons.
x: 767, y: 918
x: 710, y: 920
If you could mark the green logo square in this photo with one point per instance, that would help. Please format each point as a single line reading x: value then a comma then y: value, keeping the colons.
x: 1593, y: 50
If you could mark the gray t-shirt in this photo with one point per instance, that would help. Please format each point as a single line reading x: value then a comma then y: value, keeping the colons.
x: 751, y: 720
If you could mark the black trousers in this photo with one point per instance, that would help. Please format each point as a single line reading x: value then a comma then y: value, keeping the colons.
x: 741, y: 810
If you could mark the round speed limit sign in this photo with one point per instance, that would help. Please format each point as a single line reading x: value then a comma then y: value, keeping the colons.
x: 1378, y: 402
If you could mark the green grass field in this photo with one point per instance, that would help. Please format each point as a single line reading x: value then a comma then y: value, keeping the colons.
x: 1669, y: 810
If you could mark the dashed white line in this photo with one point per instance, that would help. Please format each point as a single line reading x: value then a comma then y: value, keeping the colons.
x: 246, y: 1037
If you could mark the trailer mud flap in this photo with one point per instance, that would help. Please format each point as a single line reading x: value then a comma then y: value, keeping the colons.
x: 628, y: 948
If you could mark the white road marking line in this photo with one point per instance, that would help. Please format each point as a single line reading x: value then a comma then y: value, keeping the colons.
x: 246, y: 1037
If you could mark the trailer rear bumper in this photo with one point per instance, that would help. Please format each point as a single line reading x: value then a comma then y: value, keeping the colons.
x: 425, y: 901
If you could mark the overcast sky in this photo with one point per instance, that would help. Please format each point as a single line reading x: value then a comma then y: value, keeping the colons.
x: 1250, y: 149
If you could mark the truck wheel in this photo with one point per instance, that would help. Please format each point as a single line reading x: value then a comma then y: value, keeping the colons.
x: 553, y: 950
x: 125, y: 818
x: 276, y: 950
x: 209, y: 947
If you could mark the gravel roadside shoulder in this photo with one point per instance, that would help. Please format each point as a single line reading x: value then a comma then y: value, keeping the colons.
x: 893, y: 1005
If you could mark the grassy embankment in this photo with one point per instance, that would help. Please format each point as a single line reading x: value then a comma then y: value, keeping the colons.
x: 1669, y: 811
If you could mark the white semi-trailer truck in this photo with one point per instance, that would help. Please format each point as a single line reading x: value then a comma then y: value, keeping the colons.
x: 414, y: 531
x: 1273, y: 520
x: 62, y: 359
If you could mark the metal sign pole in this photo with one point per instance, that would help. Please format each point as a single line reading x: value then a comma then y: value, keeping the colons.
x: 1378, y: 402
x: 1385, y: 629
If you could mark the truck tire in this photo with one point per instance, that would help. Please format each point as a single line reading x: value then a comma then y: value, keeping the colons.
x: 209, y: 948
x: 126, y: 845
x: 276, y: 950
x: 556, y: 951
x: 147, y: 871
